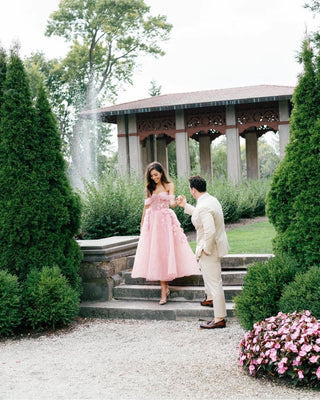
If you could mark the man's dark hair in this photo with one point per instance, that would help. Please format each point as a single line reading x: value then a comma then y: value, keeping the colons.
x: 198, y: 183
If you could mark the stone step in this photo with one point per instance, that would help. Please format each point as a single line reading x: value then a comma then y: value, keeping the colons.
x: 143, y: 309
x: 230, y: 261
x: 229, y: 278
x: 177, y: 293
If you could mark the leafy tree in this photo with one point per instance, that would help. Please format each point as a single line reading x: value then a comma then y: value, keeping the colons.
x: 155, y: 89
x: 267, y: 156
x: 107, y: 37
x: 293, y: 203
x: 194, y: 158
x: 268, y: 159
x: 39, y: 212
x: 219, y: 160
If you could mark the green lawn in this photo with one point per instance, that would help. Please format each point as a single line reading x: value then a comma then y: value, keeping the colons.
x: 253, y: 238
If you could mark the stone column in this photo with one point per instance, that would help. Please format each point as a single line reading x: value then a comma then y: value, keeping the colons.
x: 182, y: 146
x: 134, y: 146
x: 284, y: 134
x: 144, y: 156
x: 123, y: 146
x: 252, y: 155
x: 162, y: 152
x: 205, y: 155
x: 233, y: 145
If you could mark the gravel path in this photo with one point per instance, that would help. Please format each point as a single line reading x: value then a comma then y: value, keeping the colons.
x: 133, y: 360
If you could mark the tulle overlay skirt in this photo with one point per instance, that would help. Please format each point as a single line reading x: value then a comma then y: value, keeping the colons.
x: 163, y: 251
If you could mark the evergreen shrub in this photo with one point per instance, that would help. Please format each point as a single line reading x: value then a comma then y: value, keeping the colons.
x: 227, y: 194
x: 293, y: 203
x: 10, y: 303
x: 262, y: 288
x: 40, y: 214
x: 302, y: 293
x: 113, y: 207
x: 48, y: 299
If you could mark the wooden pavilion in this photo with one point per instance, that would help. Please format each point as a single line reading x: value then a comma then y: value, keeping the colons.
x: 146, y: 127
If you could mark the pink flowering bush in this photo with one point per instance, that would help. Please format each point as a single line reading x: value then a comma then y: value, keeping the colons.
x: 287, y: 346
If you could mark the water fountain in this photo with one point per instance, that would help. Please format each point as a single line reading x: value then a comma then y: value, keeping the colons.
x: 84, y: 146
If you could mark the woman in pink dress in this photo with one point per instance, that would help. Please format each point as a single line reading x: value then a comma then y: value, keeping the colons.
x: 163, y: 251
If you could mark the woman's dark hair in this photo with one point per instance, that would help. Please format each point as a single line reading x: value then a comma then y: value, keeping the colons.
x: 150, y: 184
x: 198, y: 183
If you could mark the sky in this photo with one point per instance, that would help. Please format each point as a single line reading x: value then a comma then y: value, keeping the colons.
x: 214, y: 44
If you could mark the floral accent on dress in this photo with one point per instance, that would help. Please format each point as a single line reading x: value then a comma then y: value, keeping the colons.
x: 163, y: 251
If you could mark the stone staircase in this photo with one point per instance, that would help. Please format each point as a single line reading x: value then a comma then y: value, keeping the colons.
x: 138, y: 299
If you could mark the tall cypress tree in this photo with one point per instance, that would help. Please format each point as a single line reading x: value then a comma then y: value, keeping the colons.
x: 40, y: 213
x: 293, y: 201
x: 3, y: 70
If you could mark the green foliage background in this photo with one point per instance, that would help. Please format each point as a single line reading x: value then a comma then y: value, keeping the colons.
x: 114, y: 206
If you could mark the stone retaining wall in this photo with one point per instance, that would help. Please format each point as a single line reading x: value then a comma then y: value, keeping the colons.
x: 102, y: 264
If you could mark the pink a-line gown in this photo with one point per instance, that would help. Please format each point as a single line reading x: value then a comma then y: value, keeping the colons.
x: 163, y: 251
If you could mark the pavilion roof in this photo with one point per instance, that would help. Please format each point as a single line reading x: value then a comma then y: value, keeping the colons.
x: 205, y: 98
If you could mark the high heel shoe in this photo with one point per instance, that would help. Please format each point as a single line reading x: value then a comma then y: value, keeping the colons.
x: 164, y: 301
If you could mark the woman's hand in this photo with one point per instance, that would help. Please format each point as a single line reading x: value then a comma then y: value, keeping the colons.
x: 181, y: 201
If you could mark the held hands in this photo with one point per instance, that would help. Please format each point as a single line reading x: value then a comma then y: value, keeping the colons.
x: 181, y: 201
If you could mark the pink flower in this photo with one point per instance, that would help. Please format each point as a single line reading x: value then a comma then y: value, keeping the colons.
x: 251, y: 369
x: 259, y: 360
x: 281, y: 368
x: 306, y: 348
x: 318, y: 373
x: 300, y: 374
x: 273, y: 355
x: 257, y: 329
x: 313, y: 359
x: 316, y: 347
x: 302, y: 353
x: 293, y: 348
x: 295, y: 335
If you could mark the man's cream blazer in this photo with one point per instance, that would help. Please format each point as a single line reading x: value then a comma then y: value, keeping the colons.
x: 207, y: 218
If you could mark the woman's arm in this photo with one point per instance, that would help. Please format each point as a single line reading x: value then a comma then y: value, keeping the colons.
x: 146, y: 206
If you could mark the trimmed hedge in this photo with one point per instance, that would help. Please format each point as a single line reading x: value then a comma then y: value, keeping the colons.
x: 303, y: 293
x: 48, y: 299
x: 10, y: 303
x: 262, y: 288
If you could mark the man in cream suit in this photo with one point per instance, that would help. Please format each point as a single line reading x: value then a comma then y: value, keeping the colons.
x: 212, y: 244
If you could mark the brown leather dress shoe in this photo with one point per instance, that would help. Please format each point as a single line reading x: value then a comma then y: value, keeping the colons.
x: 214, y: 325
x: 207, y: 303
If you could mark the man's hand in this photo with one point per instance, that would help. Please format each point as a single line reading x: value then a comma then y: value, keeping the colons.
x: 181, y: 201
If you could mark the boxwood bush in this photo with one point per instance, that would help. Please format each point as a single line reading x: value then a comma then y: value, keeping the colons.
x: 48, y: 300
x: 303, y: 293
x: 262, y: 288
x: 10, y: 303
